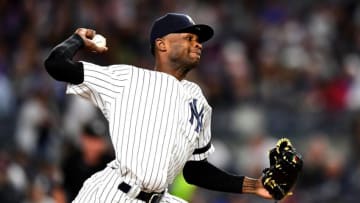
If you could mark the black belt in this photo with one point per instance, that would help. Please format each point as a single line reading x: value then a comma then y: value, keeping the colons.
x: 153, y: 197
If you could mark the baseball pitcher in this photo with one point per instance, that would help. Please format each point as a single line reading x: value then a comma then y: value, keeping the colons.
x: 159, y: 123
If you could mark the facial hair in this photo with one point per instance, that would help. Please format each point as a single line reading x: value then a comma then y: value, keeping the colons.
x: 183, y: 64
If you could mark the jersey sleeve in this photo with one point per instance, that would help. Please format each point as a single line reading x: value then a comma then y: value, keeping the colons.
x: 204, y: 146
x: 101, y: 84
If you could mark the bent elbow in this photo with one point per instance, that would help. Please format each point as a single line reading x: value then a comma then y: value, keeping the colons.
x: 65, y: 70
x: 189, y: 172
x: 49, y: 65
x: 52, y: 68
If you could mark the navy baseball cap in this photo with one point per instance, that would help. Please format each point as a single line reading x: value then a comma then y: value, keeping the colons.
x: 178, y: 23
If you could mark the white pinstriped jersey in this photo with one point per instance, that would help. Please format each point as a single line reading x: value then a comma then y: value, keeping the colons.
x: 156, y: 122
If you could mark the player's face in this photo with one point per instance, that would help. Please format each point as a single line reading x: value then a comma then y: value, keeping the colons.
x: 184, y: 48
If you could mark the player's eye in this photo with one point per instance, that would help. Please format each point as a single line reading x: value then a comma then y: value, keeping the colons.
x: 189, y: 38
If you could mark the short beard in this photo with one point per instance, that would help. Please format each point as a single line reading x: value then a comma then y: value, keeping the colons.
x: 183, y: 65
x: 184, y: 68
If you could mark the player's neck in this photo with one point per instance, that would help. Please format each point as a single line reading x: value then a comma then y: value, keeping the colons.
x: 179, y: 72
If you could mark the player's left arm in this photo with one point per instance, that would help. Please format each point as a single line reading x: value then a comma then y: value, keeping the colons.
x: 204, y: 174
x: 198, y: 171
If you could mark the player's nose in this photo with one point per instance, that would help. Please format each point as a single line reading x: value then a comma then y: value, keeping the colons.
x: 198, y: 45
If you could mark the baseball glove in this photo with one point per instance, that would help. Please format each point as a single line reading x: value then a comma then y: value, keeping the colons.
x: 285, y: 167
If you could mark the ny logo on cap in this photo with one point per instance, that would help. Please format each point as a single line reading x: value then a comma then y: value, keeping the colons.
x: 197, y: 115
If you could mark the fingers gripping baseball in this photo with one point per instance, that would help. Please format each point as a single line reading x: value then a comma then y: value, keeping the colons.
x: 87, y: 36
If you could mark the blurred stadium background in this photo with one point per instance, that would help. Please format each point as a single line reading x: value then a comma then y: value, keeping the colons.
x: 275, y: 68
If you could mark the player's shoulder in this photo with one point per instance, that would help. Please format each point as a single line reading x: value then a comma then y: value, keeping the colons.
x: 113, y: 69
x: 122, y: 67
x: 90, y: 65
x: 112, y: 66
x: 147, y: 74
x: 113, y: 73
x: 191, y: 86
x: 157, y: 75
x: 195, y: 91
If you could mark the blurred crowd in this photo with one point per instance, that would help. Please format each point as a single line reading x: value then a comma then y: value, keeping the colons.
x: 275, y: 68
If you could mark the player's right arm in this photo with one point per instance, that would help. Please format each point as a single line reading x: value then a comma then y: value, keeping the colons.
x: 59, y: 63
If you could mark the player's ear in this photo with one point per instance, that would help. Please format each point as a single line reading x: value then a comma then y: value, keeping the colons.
x: 160, y: 44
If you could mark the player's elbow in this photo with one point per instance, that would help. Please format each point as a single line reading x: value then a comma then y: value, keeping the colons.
x: 51, y: 67
x: 190, y: 172
x: 187, y: 174
x: 65, y: 70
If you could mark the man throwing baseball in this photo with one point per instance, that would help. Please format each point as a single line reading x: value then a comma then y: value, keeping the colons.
x: 159, y: 122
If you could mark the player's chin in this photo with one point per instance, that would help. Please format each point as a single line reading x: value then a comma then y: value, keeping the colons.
x: 195, y: 62
x: 191, y: 64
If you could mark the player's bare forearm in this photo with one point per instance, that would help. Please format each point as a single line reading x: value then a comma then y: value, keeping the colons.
x: 249, y: 185
x: 254, y: 186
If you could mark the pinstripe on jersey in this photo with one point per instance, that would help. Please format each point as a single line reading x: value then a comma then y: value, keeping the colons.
x: 155, y: 122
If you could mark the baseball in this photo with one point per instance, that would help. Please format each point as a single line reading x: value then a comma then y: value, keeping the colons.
x: 99, y: 40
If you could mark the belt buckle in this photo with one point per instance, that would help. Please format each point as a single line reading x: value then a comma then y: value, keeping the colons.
x: 155, y: 198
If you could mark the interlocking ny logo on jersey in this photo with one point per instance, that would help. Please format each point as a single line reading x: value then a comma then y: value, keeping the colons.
x: 197, y: 115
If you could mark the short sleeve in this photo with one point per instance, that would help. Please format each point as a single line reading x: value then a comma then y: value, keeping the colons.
x: 204, y: 146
